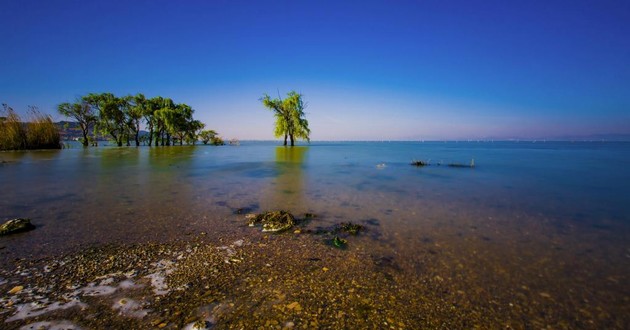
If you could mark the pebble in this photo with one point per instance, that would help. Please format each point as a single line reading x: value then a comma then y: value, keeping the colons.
x: 16, y: 289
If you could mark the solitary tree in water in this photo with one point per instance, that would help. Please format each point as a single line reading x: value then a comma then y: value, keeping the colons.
x: 84, y: 115
x: 289, y: 114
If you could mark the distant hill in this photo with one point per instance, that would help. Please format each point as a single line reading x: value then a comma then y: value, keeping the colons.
x: 71, y: 130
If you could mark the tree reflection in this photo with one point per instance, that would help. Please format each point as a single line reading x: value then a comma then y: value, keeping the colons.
x: 287, y: 190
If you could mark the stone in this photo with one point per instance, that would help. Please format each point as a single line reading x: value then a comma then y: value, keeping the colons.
x: 16, y: 226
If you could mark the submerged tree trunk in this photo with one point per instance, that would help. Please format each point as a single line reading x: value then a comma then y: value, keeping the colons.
x: 137, y: 138
x: 85, y: 141
x: 285, y: 139
x: 150, y: 135
x: 292, y: 140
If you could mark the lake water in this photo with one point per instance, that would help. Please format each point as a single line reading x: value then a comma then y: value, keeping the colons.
x: 544, y: 224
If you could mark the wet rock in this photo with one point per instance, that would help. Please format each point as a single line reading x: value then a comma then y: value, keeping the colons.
x: 16, y: 226
x: 419, y: 163
x: 275, y: 221
x: 350, y: 228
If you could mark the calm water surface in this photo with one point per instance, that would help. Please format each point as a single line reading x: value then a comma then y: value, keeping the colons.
x: 549, y: 218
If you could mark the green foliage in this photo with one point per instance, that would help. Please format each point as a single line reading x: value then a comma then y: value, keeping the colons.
x: 289, y: 114
x: 217, y: 141
x: 83, y: 113
x: 207, y: 135
x: 122, y: 118
x: 39, y: 133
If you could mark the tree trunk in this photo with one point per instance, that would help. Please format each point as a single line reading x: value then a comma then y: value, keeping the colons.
x: 168, y: 139
x: 150, y: 135
x: 85, y: 136
x: 137, y: 138
x: 285, y: 139
x: 292, y: 141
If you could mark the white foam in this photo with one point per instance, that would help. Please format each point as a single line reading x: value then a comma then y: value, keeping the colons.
x: 129, y: 307
x: 52, y: 325
x: 158, y: 279
x: 98, y: 290
x: 25, y: 311
x: 158, y: 282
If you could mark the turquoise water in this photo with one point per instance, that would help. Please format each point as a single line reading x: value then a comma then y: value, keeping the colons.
x: 546, y: 221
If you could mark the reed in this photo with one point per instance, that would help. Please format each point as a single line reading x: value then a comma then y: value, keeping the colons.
x: 39, y: 133
x: 12, y: 131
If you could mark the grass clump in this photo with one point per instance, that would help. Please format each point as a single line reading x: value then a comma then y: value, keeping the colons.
x: 39, y: 132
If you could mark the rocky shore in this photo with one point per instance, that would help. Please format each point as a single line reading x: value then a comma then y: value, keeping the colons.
x: 266, y: 280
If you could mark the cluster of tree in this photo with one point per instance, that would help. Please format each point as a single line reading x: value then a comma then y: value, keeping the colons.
x: 38, y: 133
x: 122, y: 118
x: 289, y: 113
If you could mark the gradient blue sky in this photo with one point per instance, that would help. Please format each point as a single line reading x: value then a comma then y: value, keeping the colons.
x: 368, y: 69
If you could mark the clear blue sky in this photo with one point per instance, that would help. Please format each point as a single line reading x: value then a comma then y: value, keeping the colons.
x: 368, y: 69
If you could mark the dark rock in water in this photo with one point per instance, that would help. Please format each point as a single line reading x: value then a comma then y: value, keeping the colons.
x: 275, y: 221
x: 349, y: 227
x: 419, y: 163
x: 16, y: 226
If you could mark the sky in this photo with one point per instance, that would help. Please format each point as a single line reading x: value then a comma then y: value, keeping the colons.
x: 368, y: 70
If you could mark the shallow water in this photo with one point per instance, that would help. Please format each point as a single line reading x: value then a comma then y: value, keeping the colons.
x: 532, y: 224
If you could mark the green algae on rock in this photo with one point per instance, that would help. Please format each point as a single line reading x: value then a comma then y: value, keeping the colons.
x: 16, y: 226
x: 349, y: 227
x: 273, y: 221
x: 339, y: 242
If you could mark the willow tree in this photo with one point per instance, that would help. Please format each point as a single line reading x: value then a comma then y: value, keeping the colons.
x: 289, y: 113
x: 83, y: 113
x: 112, y: 114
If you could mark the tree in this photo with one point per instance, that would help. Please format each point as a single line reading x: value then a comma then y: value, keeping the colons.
x: 289, y: 114
x: 83, y: 113
x: 112, y: 118
x: 134, y: 113
x: 194, y: 129
x: 207, y: 135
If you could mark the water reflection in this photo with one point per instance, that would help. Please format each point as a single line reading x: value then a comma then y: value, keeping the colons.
x: 286, y: 190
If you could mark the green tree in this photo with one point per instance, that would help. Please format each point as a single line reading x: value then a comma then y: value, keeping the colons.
x: 112, y: 118
x: 179, y: 121
x: 135, y: 112
x: 83, y: 113
x: 289, y: 113
x: 207, y: 135
x: 194, y: 129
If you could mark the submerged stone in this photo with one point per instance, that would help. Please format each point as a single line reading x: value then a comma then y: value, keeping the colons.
x: 350, y: 228
x: 274, y: 221
x: 16, y: 226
